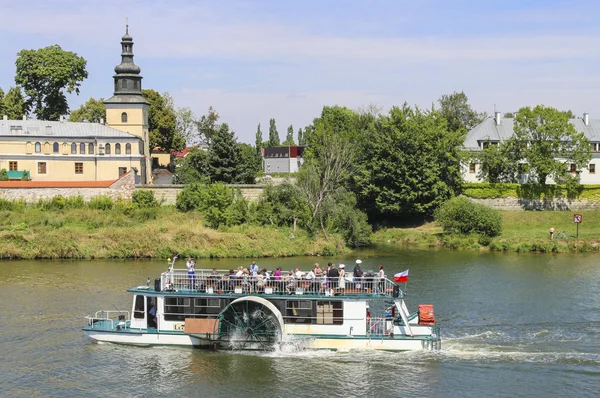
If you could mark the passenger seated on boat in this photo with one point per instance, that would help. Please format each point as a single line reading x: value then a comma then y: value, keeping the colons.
x: 246, y: 285
x: 260, y: 281
x: 290, y: 281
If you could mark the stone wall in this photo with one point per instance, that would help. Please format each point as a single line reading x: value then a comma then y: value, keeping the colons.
x: 512, y: 203
x: 169, y: 193
x: 120, y: 189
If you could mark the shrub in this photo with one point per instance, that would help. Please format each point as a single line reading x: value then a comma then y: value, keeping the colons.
x: 144, y: 198
x: 3, y: 175
x: 219, y: 204
x: 461, y: 215
x: 25, y: 176
x: 101, y: 203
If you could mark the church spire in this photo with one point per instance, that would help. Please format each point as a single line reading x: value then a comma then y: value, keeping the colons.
x: 127, y: 78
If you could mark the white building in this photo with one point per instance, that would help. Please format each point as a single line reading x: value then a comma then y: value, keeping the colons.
x: 498, y: 129
x: 282, y: 159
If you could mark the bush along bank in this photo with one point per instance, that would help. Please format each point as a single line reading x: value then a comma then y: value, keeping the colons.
x: 102, y: 228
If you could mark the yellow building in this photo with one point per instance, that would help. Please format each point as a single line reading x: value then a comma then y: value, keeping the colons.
x: 67, y: 151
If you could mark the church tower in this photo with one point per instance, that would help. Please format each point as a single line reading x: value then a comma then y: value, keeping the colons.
x: 127, y: 109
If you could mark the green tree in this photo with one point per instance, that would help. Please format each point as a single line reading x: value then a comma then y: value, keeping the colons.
x: 92, y: 111
x: 456, y: 110
x: 289, y: 138
x: 3, y: 175
x: 186, y: 125
x: 545, y: 140
x: 218, y: 204
x: 408, y: 165
x: 14, y: 104
x: 509, y: 115
x: 193, y: 167
x: 258, y: 140
x: 495, y: 163
x: 2, y: 106
x: 460, y: 215
x: 162, y: 122
x: 283, y: 205
x: 224, y: 156
x: 44, y: 74
x: 208, y: 125
x: 273, y: 134
x: 249, y: 166
x: 300, y: 137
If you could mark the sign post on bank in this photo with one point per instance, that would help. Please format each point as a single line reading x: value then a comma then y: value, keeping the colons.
x: 577, y: 219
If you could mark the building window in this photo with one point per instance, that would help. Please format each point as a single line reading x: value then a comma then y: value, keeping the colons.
x: 124, y: 117
x: 91, y: 148
x: 122, y: 171
x: 572, y: 168
x: 592, y: 168
x: 472, y: 168
x: 55, y: 147
x: 73, y: 149
x: 13, y: 166
x: 41, y: 167
x: 82, y: 148
x: 594, y: 146
x: 128, y: 149
x: 38, y: 147
x: 78, y: 168
x: 107, y: 149
x: 117, y: 149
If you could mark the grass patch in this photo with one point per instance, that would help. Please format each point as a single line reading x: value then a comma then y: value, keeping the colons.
x: 522, y: 231
x: 122, y: 232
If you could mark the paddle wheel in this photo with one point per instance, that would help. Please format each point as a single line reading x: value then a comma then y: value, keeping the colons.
x: 250, y: 323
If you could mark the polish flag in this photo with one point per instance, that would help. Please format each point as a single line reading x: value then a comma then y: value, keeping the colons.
x: 401, y: 277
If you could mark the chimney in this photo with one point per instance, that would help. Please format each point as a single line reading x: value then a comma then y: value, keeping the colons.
x: 24, y: 117
x: 62, y: 119
x: 101, y: 120
x: 586, y: 118
x: 497, y: 118
x: 5, y: 117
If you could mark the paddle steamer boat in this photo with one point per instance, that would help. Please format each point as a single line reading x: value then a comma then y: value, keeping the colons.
x: 218, y: 311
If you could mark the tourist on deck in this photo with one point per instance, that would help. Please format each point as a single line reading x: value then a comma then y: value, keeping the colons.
x: 310, y: 281
x: 240, y: 272
x: 357, y: 274
x: 332, y: 277
x: 246, y: 285
x: 253, y: 269
x: 290, y: 281
x: 191, y: 264
x: 381, y: 278
x: 342, y: 273
x: 260, y: 281
x: 299, y: 274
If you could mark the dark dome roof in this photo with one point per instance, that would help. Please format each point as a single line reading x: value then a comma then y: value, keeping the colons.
x: 126, y: 37
x: 127, y: 68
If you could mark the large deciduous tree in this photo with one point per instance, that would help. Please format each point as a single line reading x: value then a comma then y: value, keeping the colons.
x: 45, y: 74
x: 208, y: 125
x: 548, y: 144
x: 187, y: 125
x: 273, y: 134
x: 456, y: 110
x: 495, y: 163
x: 92, y: 110
x: 162, y: 122
x: 409, y: 164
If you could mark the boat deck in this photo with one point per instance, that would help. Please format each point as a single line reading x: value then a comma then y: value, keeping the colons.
x: 203, y: 282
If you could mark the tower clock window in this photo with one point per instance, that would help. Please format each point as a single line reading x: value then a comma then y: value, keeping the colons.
x: 124, y: 117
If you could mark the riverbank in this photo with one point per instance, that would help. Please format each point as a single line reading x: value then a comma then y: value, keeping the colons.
x: 522, y: 231
x: 31, y: 233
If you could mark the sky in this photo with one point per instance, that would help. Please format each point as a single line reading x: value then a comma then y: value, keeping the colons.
x: 253, y: 60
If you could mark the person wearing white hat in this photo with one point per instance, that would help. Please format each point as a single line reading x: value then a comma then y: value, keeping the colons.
x: 357, y: 274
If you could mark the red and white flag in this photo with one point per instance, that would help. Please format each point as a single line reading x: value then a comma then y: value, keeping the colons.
x: 401, y: 277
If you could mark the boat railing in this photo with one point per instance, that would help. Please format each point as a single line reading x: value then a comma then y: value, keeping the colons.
x: 104, y: 318
x: 211, y: 282
x: 380, y: 326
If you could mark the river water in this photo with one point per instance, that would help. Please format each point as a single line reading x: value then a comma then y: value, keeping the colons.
x: 512, y: 325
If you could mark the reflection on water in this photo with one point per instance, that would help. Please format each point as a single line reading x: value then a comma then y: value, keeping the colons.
x: 512, y: 324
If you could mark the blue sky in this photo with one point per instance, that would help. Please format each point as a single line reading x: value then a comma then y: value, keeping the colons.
x: 254, y: 60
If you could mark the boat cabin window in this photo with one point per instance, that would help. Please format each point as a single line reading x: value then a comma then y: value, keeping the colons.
x: 139, y: 309
x: 204, y: 306
x: 298, y: 311
x: 177, y: 308
x: 330, y: 313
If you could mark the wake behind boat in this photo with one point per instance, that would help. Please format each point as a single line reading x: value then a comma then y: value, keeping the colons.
x: 214, y: 309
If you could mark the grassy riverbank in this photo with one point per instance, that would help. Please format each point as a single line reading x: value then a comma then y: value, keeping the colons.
x: 153, y: 233
x: 523, y: 231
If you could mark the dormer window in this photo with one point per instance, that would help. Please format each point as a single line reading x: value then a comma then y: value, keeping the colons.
x: 124, y: 117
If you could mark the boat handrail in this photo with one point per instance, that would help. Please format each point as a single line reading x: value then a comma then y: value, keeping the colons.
x: 205, y: 281
x: 110, y: 316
